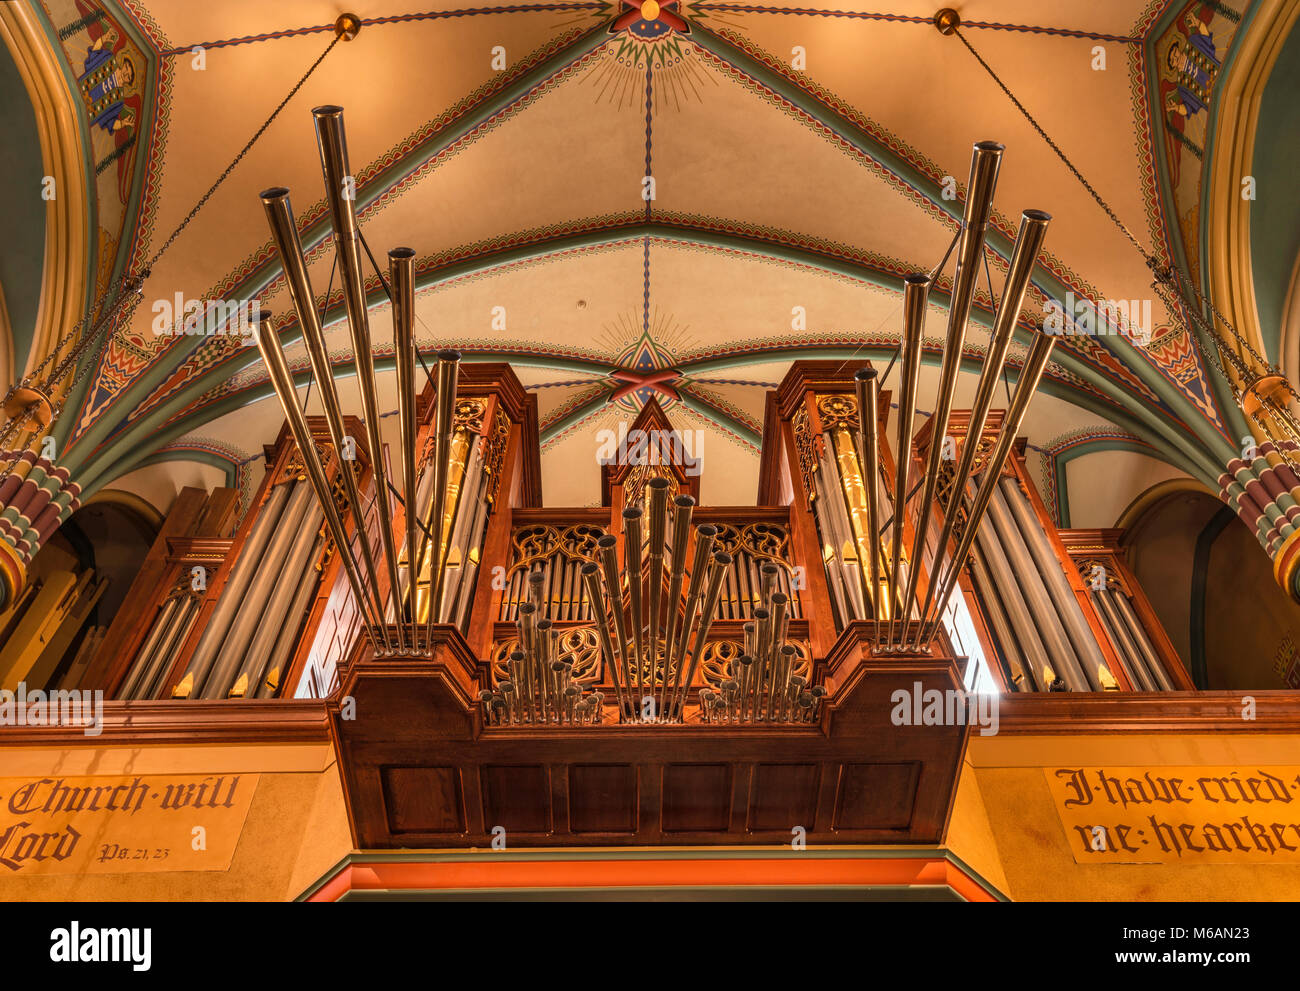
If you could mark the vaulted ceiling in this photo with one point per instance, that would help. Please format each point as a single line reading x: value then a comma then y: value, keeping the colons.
x: 803, y: 161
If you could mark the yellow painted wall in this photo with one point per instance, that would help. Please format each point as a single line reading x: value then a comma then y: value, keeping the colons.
x: 1021, y: 844
x: 295, y: 829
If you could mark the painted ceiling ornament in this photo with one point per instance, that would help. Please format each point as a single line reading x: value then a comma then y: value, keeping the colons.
x: 642, y: 372
x: 650, y: 20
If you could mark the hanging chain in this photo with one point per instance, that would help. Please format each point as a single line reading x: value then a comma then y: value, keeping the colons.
x: 1168, y: 278
x: 115, y: 306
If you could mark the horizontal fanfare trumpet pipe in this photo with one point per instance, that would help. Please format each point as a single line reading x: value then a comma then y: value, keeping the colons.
x: 284, y: 234
x: 340, y: 195
x: 985, y: 161
x: 1029, y: 241
x: 268, y: 343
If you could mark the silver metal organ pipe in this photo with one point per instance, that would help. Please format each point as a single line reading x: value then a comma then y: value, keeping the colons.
x: 658, y: 534
x: 254, y: 601
x: 1139, y: 635
x: 632, y: 565
x: 284, y: 233
x: 273, y: 612
x: 1029, y: 241
x: 268, y: 342
x: 333, y: 145
x: 240, y: 575
x: 1043, y: 610
x: 401, y: 279
x: 916, y: 291
x: 1026, y: 385
x: 143, y: 657
x: 1124, y: 647
x: 985, y: 160
x: 1020, y: 674
x: 683, y: 509
x: 1016, y: 610
x: 269, y: 682
x: 1049, y: 566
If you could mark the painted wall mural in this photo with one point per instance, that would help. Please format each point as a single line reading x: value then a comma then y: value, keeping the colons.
x: 1189, y: 56
x: 109, y: 70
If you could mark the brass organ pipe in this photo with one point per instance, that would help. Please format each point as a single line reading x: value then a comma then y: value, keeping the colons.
x: 776, y: 643
x: 443, y: 427
x: 268, y: 342
x: 683, y: 509
x: 607, y: 545
x: 279, y: 215
x: 1026, y: 385
x: 1029, y: 241
x: 540, y: 661
x: 970, y: 248
x: 867, y: 385
x: 762, y: 651
x: 704, y: 537
x: 658, y: 534
x: 721, y: 560
x: 401, y: 278
x: 591, y: 580
x: 916, y: 291
x: 333, y: 146
x: 632, y: 565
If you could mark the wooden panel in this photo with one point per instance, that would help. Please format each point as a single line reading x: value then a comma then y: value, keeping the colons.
x: 876, y: 796
x: 697, y: 798
x: 423, y: 799
x: 517, y: 797
x: 783, y: 796
x: 602, y: 798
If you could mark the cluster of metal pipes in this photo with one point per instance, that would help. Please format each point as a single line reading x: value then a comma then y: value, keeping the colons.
x: 915, y: 618
x: 388, y: 605
x: 763, y: 686
x: 540, y: 689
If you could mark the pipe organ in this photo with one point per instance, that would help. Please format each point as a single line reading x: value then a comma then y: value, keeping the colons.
x: 732, y: 667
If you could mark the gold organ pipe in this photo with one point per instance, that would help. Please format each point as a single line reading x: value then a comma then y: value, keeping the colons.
x: 284, y: 234
x: 607, y: 545
x: 721, y: 561
x: 853, y: 485
x: 867, y: 384
x: 704, y: 537
x: 1029, y: 241
x: 340, y: 195
x: 443, y: 425
x: 591, y: 581
x: 985, y: 161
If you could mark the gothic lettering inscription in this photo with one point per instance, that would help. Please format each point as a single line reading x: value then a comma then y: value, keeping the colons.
x: 1179, y: 815
x: 121, y: 825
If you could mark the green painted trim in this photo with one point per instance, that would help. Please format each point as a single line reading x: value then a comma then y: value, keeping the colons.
x: 1059, y: 462
x: 1152, y: 424
x: 1130, y: 356
x: 257, y: 282
x: 201, y: 457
